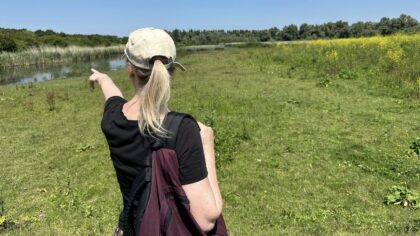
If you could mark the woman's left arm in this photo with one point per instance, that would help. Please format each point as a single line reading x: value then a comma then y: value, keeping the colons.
x: 109, y: 89
x: 207, y: 138
x: 204, y: 195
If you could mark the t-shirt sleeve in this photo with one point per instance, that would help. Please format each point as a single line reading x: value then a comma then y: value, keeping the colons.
x: 112, y: 102
x: 189, y: 149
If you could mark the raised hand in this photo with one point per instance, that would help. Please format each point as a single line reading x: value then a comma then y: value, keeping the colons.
x: 109, y: 89
x: 96, y: 76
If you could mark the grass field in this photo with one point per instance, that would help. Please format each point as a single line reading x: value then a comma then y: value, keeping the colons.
x: 305, y: 145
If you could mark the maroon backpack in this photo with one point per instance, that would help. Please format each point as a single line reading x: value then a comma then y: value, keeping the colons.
x: 162, y: 207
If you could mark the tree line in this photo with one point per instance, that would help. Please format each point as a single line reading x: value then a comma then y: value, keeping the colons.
x: 12, y: 40
x: 330, y: 30
x: 20, y: 39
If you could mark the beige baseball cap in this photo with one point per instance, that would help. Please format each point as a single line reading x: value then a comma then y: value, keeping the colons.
x: 146, y: 43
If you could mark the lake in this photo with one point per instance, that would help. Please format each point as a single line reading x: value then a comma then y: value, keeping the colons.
x: 31, y: 74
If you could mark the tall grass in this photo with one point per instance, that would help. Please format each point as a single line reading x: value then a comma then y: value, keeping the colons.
x: 54, y: 55
x: 392, y: 61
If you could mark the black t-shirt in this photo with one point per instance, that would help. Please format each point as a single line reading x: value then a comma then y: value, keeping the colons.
x: 128, y: 148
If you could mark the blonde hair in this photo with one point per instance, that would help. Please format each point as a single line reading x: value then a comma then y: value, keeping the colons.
x: 154, y: 92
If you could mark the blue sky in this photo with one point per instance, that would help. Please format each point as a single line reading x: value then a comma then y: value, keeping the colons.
x: 121, y: 17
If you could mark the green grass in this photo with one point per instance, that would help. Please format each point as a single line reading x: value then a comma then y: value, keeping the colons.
x: 294, y: 157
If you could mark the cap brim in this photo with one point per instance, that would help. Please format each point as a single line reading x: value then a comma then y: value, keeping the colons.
x: 177, y: 64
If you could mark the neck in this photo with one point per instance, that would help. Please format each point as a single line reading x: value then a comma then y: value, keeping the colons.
x: 132, y: 107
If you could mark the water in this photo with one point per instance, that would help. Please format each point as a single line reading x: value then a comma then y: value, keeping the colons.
x: 32, y: 74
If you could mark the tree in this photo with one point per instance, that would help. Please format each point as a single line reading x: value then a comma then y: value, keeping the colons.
x: 384, y: 26
x: 274, y: 33
x: 363, y: 29
x: 7, y: 44
x: 304, y: 31
x: 176, y: 35
x: 290, y: 32
x: 342, y: 29
x: 264, y: 36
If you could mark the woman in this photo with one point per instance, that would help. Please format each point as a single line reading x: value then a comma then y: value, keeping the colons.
x: 130, y: 126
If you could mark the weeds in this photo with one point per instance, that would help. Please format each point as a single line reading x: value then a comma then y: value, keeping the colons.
x: 84, y: 147
x: 194, y: 87
x: 51, y: 100
x: 401, y: 195
x: 65, y: 96
x: 412, y: 227
x: 347, y: 74
x: 245, y: 133
x: 418, y: 87
x: 5, y: 221
x: 2, y: 211
x: 237, y: 82
x: 294, y: 101
x: 415, y: 146
x: 209, y: 118
x: 323, y: 83
x: 29, y: 105
x: 227, y: 140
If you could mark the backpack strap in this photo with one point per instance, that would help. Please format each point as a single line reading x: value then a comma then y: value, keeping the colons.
x: 138, y: 197
x: 171, y: 124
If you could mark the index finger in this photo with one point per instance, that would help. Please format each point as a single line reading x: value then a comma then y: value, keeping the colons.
x: 94, y: 71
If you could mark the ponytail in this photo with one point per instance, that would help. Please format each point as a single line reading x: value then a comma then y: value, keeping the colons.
x: 154, y: 99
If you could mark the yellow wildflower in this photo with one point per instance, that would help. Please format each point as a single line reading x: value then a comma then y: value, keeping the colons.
x: 332, y: 55
x: 395, y: 54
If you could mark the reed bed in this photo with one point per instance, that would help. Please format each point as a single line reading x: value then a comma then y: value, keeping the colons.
x: 56, y: 55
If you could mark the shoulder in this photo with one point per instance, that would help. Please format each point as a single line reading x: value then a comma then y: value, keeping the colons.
x: 180, y: 122
x: 188, y: 123
x: 188, y: 132
x: 113, y: 101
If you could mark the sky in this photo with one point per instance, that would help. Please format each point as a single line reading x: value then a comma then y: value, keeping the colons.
x: 121, y: 17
